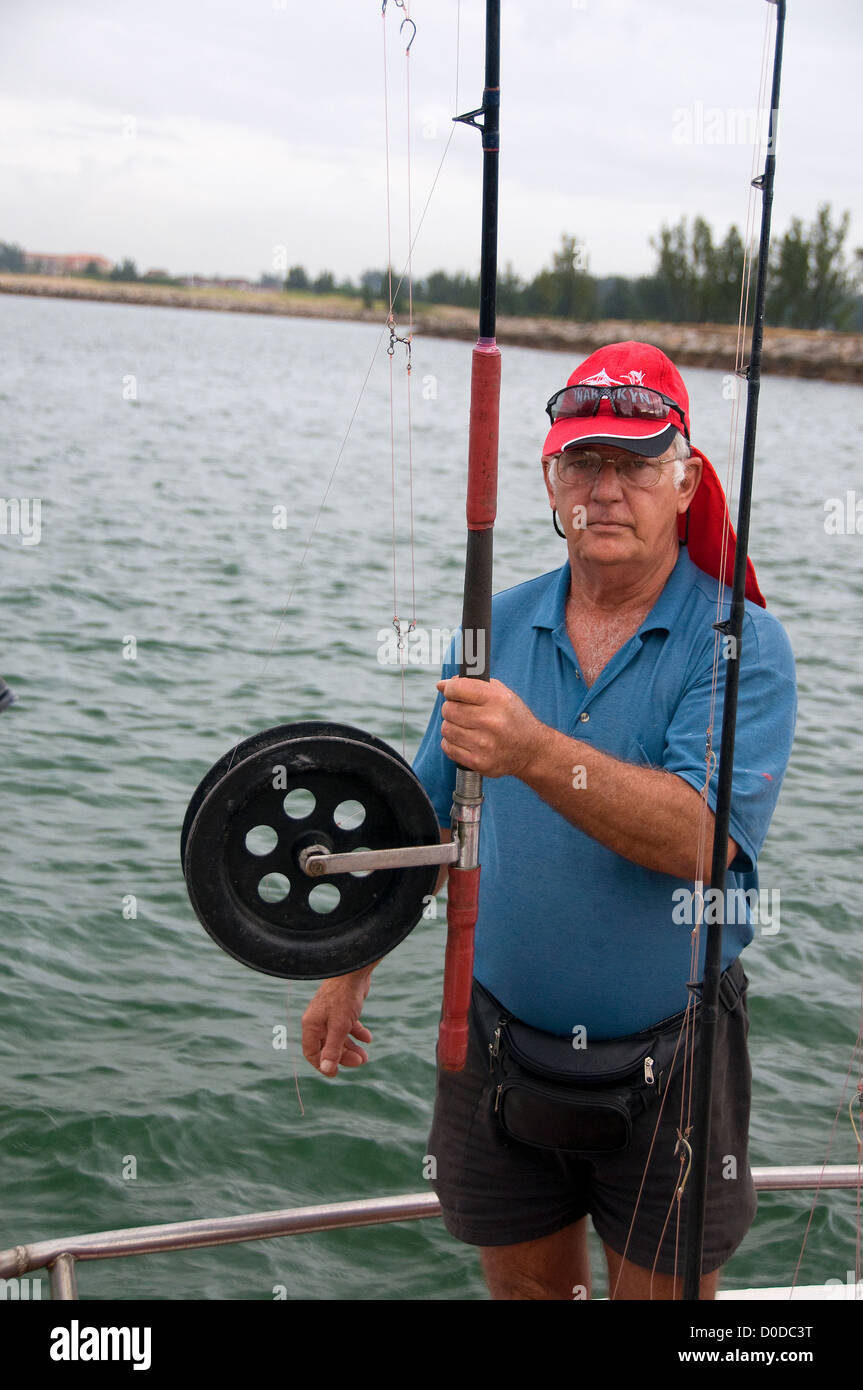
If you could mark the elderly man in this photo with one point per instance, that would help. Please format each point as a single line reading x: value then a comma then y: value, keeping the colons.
x: 593, y: 738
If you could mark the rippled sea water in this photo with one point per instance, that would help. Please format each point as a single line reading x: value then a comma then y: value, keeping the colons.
x: 159, y: 442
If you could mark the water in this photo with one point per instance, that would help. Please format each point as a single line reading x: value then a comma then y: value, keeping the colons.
x: 141, y: 1081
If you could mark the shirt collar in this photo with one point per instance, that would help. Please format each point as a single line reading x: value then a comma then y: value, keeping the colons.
x: 551, y: 612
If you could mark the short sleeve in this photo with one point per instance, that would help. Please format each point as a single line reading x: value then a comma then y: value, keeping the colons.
x: 432, y: 766
x: 764, y: 732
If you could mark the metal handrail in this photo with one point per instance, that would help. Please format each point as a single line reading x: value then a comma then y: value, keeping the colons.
x: 60, y: 1255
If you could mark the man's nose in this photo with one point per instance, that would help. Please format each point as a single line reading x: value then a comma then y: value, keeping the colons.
x: 607, y: 482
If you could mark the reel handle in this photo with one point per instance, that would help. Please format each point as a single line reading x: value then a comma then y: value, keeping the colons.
x: 462, y: 906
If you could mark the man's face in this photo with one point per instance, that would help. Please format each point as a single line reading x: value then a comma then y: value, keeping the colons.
x: 609, y: 519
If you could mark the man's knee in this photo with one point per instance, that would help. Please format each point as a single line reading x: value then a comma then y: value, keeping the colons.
x: 552, y: 1267
x: 630, y: 1281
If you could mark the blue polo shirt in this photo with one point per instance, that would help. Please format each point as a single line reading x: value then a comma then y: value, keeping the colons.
x: 569, y: 933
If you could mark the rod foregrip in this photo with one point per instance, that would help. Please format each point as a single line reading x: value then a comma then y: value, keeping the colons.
x: 484, y: 429
x: 463, y: 898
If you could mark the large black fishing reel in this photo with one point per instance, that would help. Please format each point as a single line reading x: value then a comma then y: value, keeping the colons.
x: 303, y: 851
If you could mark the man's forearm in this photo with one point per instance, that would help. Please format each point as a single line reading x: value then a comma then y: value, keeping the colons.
x: 644, y: 814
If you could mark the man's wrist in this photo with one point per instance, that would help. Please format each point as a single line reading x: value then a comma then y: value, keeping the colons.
x: 544, y: 754
x: 361, y: 976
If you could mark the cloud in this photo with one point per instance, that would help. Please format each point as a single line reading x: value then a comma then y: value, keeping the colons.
x: 259, y: 123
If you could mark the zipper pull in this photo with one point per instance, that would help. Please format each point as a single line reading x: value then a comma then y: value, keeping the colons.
x: 648, y: 1071
x: 497, y: 1099
x: 494, y: 1046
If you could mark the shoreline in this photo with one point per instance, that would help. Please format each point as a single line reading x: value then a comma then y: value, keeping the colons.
x: 813, y: 355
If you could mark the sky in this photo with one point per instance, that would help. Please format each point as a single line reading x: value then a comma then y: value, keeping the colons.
x: 232, y: 137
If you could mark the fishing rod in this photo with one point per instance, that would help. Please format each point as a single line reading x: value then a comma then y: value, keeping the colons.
x: 255, y: 862
x: 731, y: 627
x: 481, y: 509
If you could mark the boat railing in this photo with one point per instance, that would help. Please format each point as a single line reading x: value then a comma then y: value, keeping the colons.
x: 60, y: 1256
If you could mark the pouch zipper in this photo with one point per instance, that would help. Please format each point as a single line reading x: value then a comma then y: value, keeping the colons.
x: 617, y: 1074
x: 494, y: 1045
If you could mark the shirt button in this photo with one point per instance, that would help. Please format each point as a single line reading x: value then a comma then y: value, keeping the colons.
x: 584, y: 716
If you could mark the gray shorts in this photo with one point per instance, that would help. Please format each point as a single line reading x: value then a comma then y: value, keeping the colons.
x: 497, y: 1191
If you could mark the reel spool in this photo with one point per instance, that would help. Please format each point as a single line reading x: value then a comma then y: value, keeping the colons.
x: 269, y: 802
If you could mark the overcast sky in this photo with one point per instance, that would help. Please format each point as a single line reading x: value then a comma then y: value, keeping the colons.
x: 199, y: 135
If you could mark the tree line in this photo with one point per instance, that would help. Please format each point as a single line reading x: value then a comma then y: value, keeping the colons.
x: 813, y: 281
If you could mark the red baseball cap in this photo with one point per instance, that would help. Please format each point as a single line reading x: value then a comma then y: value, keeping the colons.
x: 703, y: 526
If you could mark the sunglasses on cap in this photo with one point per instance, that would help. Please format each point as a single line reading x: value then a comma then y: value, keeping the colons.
x: 629, y: 402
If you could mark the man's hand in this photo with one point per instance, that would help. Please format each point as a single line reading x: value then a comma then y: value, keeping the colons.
x: 331, y: 1023
x: 644, y: 814
x: 488, y: 728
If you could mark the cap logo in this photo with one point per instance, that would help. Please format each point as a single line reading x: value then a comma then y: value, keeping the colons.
x: 600, y: 379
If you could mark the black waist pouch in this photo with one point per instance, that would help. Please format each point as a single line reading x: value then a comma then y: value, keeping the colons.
x: 581, y: 1100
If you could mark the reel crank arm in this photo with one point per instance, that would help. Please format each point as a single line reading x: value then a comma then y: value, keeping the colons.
x: 316, y: 862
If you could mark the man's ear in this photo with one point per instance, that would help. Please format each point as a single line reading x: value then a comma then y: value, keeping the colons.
x: 694, y: 468
x: 547, y: 465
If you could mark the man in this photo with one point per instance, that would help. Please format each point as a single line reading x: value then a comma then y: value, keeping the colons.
x: 592, y: 736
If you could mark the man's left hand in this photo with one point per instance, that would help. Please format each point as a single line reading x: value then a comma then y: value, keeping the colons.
x: 487, y: 728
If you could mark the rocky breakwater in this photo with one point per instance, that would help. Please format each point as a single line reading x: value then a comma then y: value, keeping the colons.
x: 817, y: 355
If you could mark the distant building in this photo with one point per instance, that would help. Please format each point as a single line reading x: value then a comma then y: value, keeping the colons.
x: 45, y: 264
x: 156, y: 275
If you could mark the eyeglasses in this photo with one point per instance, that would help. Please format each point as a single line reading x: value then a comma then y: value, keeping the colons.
x: 630, y: 402
x: 576, y: 466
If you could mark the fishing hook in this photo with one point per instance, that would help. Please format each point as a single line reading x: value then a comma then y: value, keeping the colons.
x: 684, y: 1143
x: 400, y: 4
x: 408, y: 20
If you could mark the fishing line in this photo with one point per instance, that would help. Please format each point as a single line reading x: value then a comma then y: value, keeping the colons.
x: 743, y: 327
x: 403, y: 631
x: 856, y: 1053
x: 298, y: 573
x: 293, y: 1048
x: 687, y: 1030
x: 731, y: 461
x: 654, y: 1136
x: 406, y: 341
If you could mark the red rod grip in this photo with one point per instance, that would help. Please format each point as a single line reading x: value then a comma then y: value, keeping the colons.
x: 462, y: 907
x: 483, y: 441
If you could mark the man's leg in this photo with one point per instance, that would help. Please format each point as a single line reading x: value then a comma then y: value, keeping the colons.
x: 626, y: 1280
x: 553, y: 1267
